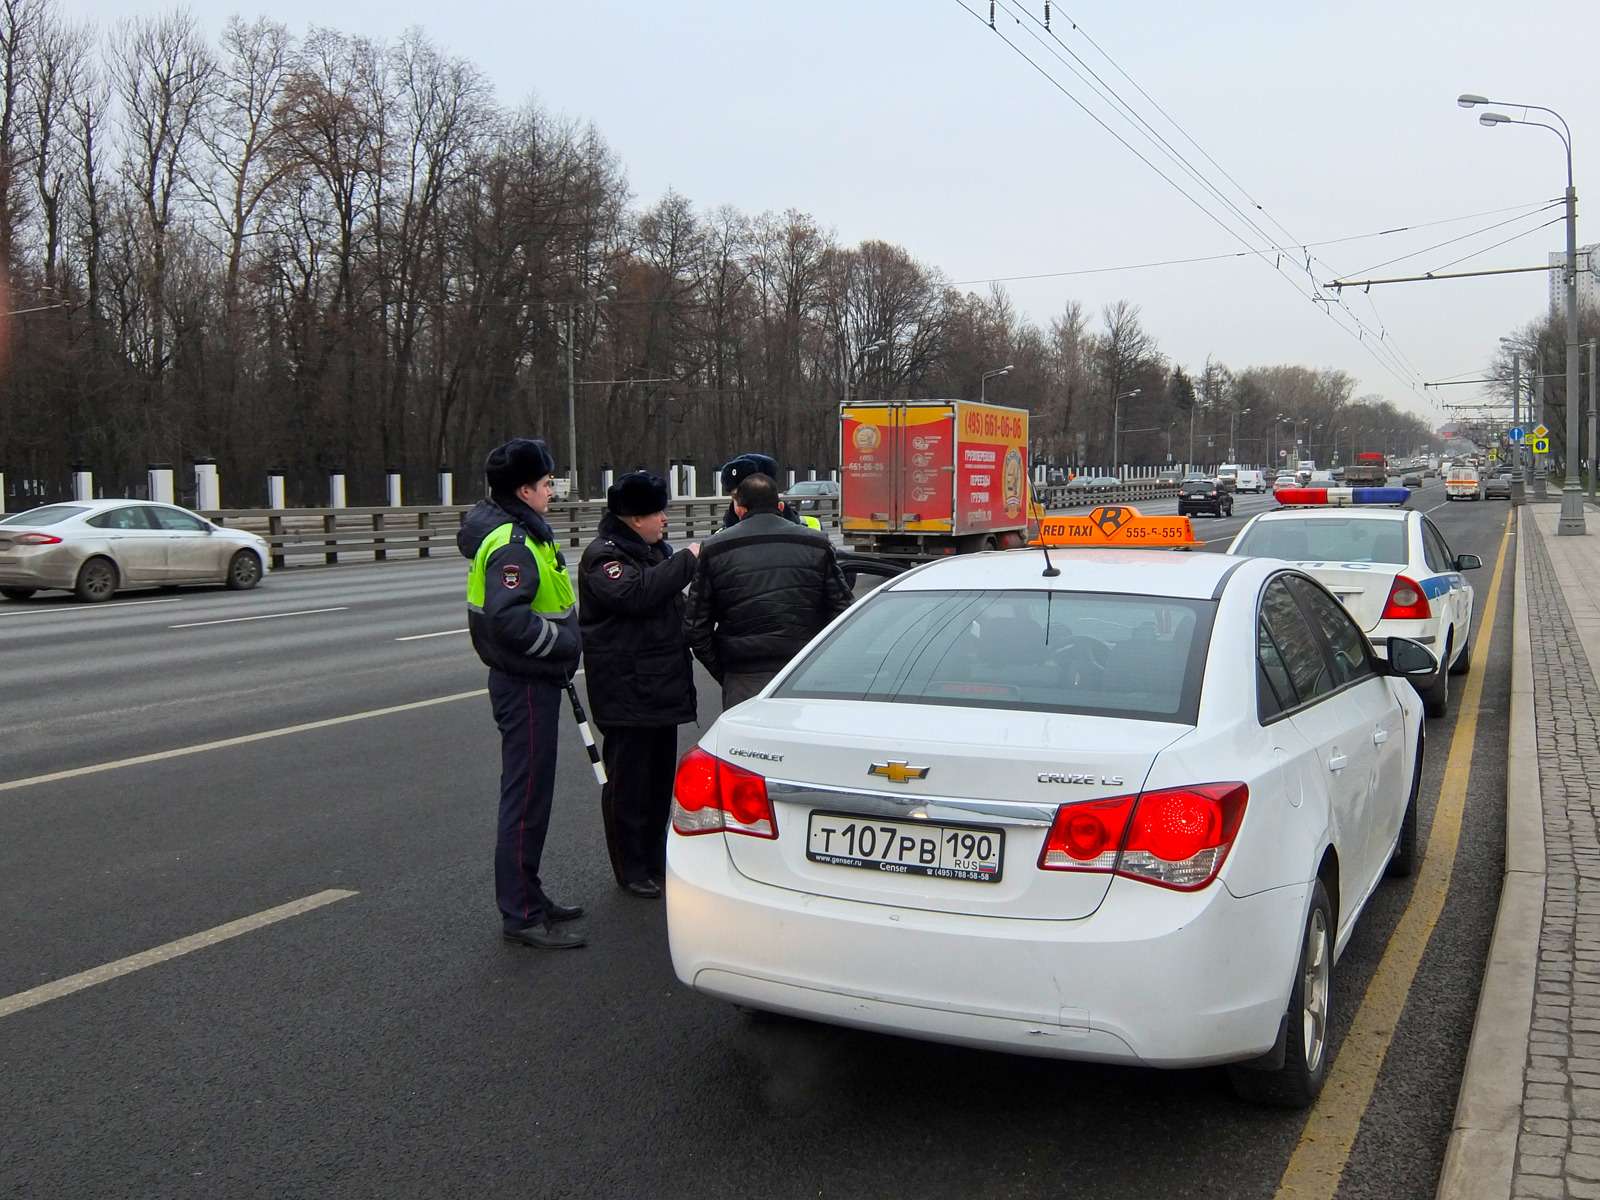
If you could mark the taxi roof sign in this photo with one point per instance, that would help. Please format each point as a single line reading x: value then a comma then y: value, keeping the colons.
x: 1116, y: 525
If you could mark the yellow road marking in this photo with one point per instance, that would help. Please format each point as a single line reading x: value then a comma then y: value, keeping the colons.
x: 1319, y: 1158
x: 55, y: 990
x: 243, y: 740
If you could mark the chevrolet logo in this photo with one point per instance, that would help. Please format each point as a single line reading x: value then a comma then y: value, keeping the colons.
x: 897, y: 772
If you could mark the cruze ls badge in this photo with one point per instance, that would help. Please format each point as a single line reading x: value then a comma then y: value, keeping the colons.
x: 897, y: 772
x: 1075, y: 777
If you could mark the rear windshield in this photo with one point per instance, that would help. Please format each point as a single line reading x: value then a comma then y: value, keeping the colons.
x: 1198, y: 485
x: 1328, y: 539
x: 1098, y: 654
x: 50, y: 514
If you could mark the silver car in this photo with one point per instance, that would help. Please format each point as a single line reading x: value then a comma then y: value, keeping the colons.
x: 98, y: 547
x: 1497, y: 485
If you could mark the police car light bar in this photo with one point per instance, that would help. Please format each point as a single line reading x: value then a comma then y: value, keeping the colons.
x: 1119, y: 526
x: 1335, y: 497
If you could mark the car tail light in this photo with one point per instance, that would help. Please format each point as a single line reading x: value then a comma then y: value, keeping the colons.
x: 35, y: 539
x: 712, y: 796
x: 1406, y: 601
x: 1175, y: 837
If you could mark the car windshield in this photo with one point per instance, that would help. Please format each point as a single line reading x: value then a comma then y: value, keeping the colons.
x: 1327, y: 539
x: 811, y: 487
x: 50, y: 514
x: 1099, y: 654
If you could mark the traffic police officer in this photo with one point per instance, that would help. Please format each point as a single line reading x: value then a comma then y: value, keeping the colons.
x: 736, y: 470
x: 519, y: 612
x: 638, y: 670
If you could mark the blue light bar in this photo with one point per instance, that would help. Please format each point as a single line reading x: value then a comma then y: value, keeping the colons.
x: 1380, y: 495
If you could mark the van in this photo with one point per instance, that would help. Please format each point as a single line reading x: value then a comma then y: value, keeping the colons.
x: 1251, y: 481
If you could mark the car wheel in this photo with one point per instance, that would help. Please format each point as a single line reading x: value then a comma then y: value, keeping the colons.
x: 1436, y: 696
x: 16, y: 593
x: 1305, y: 1057
x: 1403, y: 862
x: 244, y: 571
x: 97, y: 580
x: 1463, y: 662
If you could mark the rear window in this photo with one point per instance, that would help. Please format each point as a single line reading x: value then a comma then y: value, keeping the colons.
x: 1199, y: 485
x: 1328, y: 539
x: 1097, y: 654
x: 50, y: 514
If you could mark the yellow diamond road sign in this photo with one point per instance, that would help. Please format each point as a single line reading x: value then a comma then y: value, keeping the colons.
x: 1539, y: 431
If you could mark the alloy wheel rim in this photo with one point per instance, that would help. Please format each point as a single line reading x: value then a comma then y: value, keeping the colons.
x: 244, y: 569
x: 1316, y: 981
x: 99, y: 581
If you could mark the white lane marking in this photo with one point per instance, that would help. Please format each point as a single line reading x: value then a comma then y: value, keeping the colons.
x: 304, y: 612
x: 55, y: 990
x: 421, y: 637
x: 63, y: 610
x: 243, y: 740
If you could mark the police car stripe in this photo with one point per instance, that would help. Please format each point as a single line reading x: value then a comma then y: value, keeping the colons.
x: 1436, y: 585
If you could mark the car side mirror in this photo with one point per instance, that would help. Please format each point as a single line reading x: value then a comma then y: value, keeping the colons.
x: 1409, y: 659
x: 1468, y: 562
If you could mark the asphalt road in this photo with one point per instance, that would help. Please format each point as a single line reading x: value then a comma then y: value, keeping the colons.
x: 391, y: 1044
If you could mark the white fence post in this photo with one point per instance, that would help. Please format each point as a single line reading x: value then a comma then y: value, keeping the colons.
x: 691, y: 480
x: 160, y: 484
x: 395, y: 488
x: 207, y: 485
x: 82, y: 482
x: 275, y: 497
x: 2, y: 493
x: 447, y: 486
x: 607, y: 478
x: 790, y: 488
x: 336, y: 490
x: 811, y: 473
x: 674, y: 491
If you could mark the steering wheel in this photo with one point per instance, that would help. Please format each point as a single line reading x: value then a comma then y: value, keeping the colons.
x: 1083, y: 659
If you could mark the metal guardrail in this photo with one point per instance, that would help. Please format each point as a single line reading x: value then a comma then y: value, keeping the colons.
x: 1059, y: 496
x: 302, y: 536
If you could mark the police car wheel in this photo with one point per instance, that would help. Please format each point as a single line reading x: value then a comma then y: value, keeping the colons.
x: 1463, y: 662
x: 1310, y: 1018
x: 1436, y: 696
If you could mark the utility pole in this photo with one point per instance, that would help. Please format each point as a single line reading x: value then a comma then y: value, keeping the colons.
x: 1572, y: 518
x: 1594, y: 403
x: 572, y: 413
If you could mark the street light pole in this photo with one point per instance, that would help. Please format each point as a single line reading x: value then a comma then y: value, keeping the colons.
x: 983, y: 381
x: 1572, y: 518
x: 572, y: 412
x: 845, y: 371
x: 1116, y: 422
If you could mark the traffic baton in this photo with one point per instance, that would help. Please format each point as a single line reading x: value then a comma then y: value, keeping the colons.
x: 588, y: 738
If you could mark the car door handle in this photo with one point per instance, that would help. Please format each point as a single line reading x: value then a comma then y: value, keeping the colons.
x: 1336, y: 762
x: 1380, y: 736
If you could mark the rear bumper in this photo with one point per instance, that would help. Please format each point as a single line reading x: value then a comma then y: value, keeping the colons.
x: 1155, y: 977
x: 38, y: 567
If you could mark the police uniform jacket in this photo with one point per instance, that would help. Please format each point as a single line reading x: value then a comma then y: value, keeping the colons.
x: 761, y: 591
x: 630, y: 606
x: 508, y: 633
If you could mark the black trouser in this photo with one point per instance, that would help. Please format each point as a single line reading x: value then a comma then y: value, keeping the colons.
x: 526, y: 711
x: 636, y: 801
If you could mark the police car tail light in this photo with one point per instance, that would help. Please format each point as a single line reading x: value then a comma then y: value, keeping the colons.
x: 712, y: 796
x: 1180, y: 837
x: 1086, y: 836
x: 1406, y: 602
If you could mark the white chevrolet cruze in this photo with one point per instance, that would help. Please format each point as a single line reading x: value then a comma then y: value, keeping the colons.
x: 1129, y: 812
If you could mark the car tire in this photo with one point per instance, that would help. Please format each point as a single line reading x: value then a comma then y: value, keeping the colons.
x: 1403, y: 862
x: 1463, y: 662
x: 1298, y: 1082
x: 17, y: 593
x: 244, y: 571
x: 1436, y: 696
x: 97, y: 581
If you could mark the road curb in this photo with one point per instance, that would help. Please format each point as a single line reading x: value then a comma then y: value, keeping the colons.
x: 1481, y: 1155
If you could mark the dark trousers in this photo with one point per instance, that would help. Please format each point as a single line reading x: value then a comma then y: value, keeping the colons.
x: 737, y: 687
x: 636, y: 801
x: 526, y: 712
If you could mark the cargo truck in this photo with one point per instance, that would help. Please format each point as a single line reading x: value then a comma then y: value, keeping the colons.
x: 1368, y: 470
x: 921, y: 479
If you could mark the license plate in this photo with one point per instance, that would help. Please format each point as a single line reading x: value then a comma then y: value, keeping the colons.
x: 938, y: 850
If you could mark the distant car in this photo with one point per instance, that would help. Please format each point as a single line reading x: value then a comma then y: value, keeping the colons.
x: 1170, y: 477
x: 808, y: 492
x: 1317, y: 477
x: 97, y: 548
x: 1248, y: 480
x: 1496, y: 487
x: 1462, y: 484
x: 1105, y: 482
x: 1411, y: 479
x: 1204, y: 496
x: 1270, y: 475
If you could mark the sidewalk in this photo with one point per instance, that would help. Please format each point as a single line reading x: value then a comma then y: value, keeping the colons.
x: 1528, y: 1116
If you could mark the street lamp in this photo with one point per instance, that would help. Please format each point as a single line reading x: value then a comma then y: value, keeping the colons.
x: 1233, y: 419
x: 1572, y: 520
x: 1519, y: 479
x: 845, y: 372
x: 1116, y: 421
x: 988, y: 375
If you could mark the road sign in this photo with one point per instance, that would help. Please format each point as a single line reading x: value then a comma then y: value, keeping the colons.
x: 1541, y: 445
x: 1539, y: 431
x: 1516, y: 434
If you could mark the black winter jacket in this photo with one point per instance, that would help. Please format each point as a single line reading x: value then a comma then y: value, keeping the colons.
x: 630, y: 605
x: 761, y: 591
x: 508, y: 635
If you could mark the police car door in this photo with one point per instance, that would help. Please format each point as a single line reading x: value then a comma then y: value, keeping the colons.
x: 1458, y: 596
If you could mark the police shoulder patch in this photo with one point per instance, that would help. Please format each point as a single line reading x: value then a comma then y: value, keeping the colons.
x: 613, y: 570
x: 511, y: 575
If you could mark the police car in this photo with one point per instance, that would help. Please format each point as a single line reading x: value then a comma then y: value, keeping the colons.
x: 1123, y: 805
x: 1388, y: 564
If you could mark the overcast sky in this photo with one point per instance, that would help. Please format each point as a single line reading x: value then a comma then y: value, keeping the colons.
x: 910, y: 121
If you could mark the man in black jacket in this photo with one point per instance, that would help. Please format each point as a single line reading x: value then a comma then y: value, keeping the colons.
x: 639, y: 673
x: 762, y: 590
x: 519, y: 612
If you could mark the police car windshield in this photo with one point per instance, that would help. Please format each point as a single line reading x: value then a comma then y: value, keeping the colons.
x: 1328, y: 539
x: 1097, y: 654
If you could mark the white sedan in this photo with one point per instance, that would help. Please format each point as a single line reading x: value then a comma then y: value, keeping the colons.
x: 1130, y: 811
x: 1391, y: 568
x: 96, y: 548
